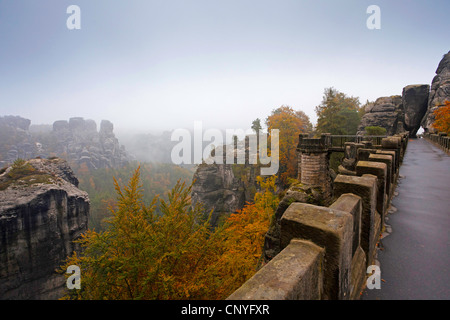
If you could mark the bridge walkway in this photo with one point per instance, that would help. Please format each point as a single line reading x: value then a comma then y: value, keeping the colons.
x: 415, y: 256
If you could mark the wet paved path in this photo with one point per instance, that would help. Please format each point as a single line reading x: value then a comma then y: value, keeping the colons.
x: 415, y: 260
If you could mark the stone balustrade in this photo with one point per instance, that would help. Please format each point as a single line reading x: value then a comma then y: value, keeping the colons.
x: 325, y: 251
x: 441, y: 140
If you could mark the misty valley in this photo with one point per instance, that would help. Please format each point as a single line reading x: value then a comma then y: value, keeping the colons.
x: 223, y: 150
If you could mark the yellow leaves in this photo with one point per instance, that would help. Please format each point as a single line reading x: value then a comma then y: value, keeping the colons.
x: 290, y: 124
x: 175, y: 255
x: 243, y: 237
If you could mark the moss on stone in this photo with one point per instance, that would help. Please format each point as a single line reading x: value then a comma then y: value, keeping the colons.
x: 24, y: 174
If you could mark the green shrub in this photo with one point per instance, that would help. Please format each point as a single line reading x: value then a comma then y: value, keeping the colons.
x: 375, y: 131
x: 18, y: 163
x: 23, y: 173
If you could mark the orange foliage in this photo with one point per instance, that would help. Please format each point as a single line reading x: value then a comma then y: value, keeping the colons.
x: 242, y: 239
x: 175, y: 255
x: 442, y: 118
x: 290, y: 125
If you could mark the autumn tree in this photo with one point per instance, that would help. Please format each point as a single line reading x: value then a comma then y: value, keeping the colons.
x: 172, y: 255
x: 156, y: 179
x: 307, y: 125
x: 338, y: 113
x: 442, y: 118
x: 242, y: 238
x: 143, y: 255
x: 291, y: 124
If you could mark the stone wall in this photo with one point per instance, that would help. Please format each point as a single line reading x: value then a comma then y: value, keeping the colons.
x: 325, y: 251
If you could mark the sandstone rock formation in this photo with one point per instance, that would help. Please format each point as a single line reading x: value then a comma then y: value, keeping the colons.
x: 76, y: 140
x: 80, y: 142
x: 415, y: 101
x: 41, y: 212
x: 224, y: 188
x: 386, y: 112
x: 398, y: 114
x: 15, y: 122
x: 16, y: 141
x: 440, y: 92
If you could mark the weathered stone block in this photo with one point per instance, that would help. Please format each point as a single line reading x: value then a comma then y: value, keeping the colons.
x: 343, y: 170
x: 351, y: 203
x: 294, y: 274
x: 390, y: 143
x: 393, y: 143
x: 297, y: 192
x: 329, y: 228
x: 394, y: 166
x: 387, y: 159
x: 379, y: 170
x: 403, y: 141
x: 349, y: 150
x: 366, y: 188
x: 364, y: 153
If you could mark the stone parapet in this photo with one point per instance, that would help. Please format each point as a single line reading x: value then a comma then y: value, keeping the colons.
x: 294, y: 274
x: 325, y: 250
x: 329, y: 228
x: 441, y: 140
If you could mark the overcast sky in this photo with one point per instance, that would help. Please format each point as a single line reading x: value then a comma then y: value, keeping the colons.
x: 155, y: 65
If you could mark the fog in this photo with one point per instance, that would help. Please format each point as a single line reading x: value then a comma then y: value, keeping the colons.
x: 153, y: 66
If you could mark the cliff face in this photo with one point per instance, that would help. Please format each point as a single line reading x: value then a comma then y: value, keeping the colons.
x: 80, y: 142
x: 440, y: 92
x: 41, y: 212
x: 398, y: 114
x: 414, y: 108
x: 415, y: 101
x: 76, y: 140
x: 386, y: 112
x: 16, y: 141
x: 224, y: 188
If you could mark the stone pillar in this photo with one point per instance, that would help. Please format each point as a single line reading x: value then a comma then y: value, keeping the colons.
x: 379, y: 170
x: 387, y: 159
x: 314, y: 161
x: 301, y: 138
x: 349, y: 160
x: 366, y: 188
x: 330, y: 229
x: 348, y: 202
x: 392, y: 144
x: 394, y: 166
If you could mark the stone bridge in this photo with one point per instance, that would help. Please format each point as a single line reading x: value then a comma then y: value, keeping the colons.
x: 325, y: 251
